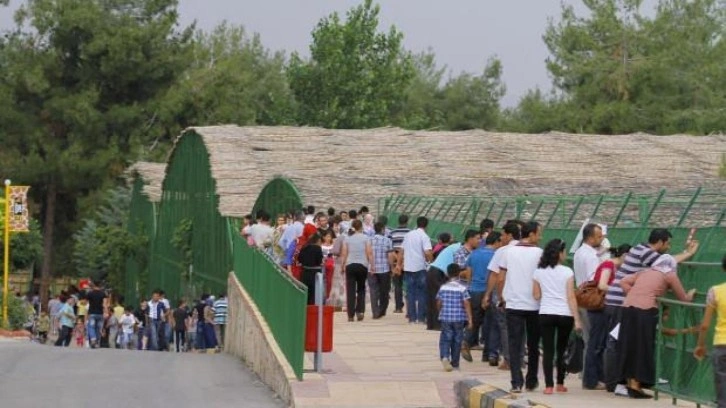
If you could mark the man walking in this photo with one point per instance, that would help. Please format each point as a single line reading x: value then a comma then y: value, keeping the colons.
x: 416, y: 254
x: 220, y: 318
x: 96, y: 305
x: 379, y: 282
x: 397, y: 236
x: 157, y: 312
x: 522, y: 310
x: 67, y: 321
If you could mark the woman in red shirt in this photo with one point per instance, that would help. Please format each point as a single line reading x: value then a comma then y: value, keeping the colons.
x: 593, y: 376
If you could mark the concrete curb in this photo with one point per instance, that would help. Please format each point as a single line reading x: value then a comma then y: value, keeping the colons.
x: 472, y: 393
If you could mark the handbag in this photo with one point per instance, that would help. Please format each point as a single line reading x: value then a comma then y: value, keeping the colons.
x: 589, y: 296
x: 574, y: 354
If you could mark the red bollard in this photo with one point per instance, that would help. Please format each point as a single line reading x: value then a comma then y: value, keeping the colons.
x: 311, y: 329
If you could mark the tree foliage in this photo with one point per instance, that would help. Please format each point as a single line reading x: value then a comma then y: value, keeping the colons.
x: 618, y: 70
x: 103, y: 244
x: 356, y: 76
x: 77, y: 78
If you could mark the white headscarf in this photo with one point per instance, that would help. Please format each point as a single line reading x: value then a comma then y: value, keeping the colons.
x: 665, y: 264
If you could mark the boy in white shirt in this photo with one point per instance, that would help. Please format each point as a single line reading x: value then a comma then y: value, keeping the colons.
x: 127, y: 323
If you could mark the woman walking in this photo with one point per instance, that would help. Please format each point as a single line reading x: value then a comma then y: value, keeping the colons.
x: 554, y: 287
x: 636, y: 340
x: 210, y: 338
x: 357, y: 256
x: 311, y: 260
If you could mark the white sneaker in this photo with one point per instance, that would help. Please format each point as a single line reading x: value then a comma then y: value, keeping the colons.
x: 447, y: 364
x: 621, y: 390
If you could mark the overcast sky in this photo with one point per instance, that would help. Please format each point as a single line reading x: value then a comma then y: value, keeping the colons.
x: 462, y: 33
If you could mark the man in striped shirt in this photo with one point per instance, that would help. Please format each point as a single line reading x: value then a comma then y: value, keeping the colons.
x: 397, y: 236
x: 640, y: 257
x: 220, y: 318
x: 379, y: 282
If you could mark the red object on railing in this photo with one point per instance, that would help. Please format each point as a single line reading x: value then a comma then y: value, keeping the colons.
x: 311, y: 329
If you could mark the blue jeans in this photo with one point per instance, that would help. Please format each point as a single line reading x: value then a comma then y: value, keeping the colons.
x: 594, y: 372
x: 416, y: 296
x: 452, y: 334
x: 154, y: 332
x: 95, y: 326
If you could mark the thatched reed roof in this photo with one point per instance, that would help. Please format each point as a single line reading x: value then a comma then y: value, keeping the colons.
x: 152, y: 175
x: 349, y: 168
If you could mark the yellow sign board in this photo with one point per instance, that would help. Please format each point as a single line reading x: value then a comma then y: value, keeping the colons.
x: 18, y: 217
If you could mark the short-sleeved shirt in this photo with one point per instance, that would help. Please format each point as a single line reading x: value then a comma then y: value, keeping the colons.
x: 496, y: 263
x: 311, y: 256
x: 261, y: 234
x: 446, y: 257
x: 382, y: 246
x: 67, y: 318
x: 180, y: 314
x: 585, y: 263
x: 95, y: 302
x: 716, y: 299
x: 357, y: 249
x: 640, y: 257
x: 397, y: 236
x: 452, y: 296
x: 415, y: 245
x: 127, y: 323
x: 220, y: 311
x: 553, y: 284
x: 520, y: 262
x: 461, y: 255
x: 479, y: 263
x: 608, y: 264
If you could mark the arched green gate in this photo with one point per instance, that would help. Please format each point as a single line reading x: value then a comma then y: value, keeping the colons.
x: 279, y: 196
x: 192, y: 249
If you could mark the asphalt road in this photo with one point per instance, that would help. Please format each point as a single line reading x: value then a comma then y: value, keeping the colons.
x: 32, y: 376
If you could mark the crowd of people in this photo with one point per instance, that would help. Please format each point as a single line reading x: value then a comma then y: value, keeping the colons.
x: 96, y: 318
x: 498, y: 291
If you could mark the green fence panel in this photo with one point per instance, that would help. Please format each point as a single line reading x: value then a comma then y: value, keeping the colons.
x: 280, y: 298
x: 141, y: 223
x: 685, y: 377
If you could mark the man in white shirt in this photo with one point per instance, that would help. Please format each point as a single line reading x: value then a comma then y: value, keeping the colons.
x: 586, y: 259
x: 522, y: 309
x: 510, y: 237
x: 292, y: 232
x: 262, y: 232
x: 415, y: 255
x: 585, y: 264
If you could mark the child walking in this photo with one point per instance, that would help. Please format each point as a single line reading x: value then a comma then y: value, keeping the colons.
x: 715, y: 304
x: 127, y: 322
x: 455, y: 315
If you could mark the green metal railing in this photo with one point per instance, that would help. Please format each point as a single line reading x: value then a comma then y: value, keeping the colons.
x: 281, y: 299
x: 630, y: 218
x: 685, y: 377
x: 279, y: 196
x: 141, y: 224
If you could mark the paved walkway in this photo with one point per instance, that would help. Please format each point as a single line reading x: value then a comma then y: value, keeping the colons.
x: 32, y: 375
x: 389, y: 363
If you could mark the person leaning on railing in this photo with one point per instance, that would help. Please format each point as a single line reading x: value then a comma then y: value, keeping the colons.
x: 715, y: 303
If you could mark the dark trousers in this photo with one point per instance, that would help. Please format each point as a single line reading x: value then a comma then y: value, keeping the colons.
x: 611, y: 368
x: 555, y: 331
x: 180, y: 337
x: 594, y: 373
x: 398, y: 290
x: 435, y: 277
x: 472, y: 338
x: 491, y: 333
x: 718, y: 355
x: 64, y: 338
x: 519, y: 322
x: 355, y: 284
x: 308, y: 279
x: 380, y: 287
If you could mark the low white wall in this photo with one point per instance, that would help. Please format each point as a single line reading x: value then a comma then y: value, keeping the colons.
x: 248, y: 336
